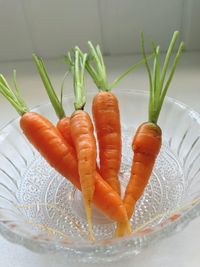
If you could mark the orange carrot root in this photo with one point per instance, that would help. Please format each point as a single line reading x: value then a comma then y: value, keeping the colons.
x: 82, y: 133
x: 89, y: 219
x: 106, y: 115
x: 146, y: 146
x: 123, y: 229
x: 63, y: 126
x: 61, y: 156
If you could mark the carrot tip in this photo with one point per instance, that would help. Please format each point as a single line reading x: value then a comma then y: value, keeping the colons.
x: 89, y: 220
x: 123, y: 229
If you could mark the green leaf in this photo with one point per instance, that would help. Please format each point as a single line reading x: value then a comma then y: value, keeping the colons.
x: 14, y: 98
x: 79, y: 63
x: 171, y: 74
x: 57, y: 105
x: 167, y: 58
x: 151, y: 100
x: 157, y: 88
x: 129, y: 70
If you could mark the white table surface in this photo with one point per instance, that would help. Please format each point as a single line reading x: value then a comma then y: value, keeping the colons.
x: 181, y: 249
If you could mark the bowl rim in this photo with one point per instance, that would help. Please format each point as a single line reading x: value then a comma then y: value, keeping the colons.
x: 194, y: 112
x: 92, y: 247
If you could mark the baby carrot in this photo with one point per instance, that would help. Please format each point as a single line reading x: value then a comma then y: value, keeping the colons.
x: 78, y: 130
x: 42, y: 134
x: 148, y: 138
x: 105, y: 110
x: 63, y: 126
x: 106, y: 116
x: 82, y: 133
x: 46, y: 138
x: 146, y: 146
x: 105, y: 198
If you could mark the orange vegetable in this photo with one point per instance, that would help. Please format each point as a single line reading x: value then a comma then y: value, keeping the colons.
x: 105, y: 109
x: 61, y: 156
x: 146, y: 146
x: 51, y: 145
x: 82, y: 133
x: 63, y: 125
x: 148, y: 138
x: 46, y: 138
x: 85, y: 144
x: 106, y: 116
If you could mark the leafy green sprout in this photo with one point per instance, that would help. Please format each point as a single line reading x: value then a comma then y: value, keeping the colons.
x: 13, y: 95
x: 77, y: 64
x: 95, y: 66
x: 56, y: 103
x: 157, y: 79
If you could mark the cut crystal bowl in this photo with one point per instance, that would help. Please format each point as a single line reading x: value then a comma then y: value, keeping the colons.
x: 42, y: 211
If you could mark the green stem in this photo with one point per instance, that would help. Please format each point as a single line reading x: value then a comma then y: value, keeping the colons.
x: 12, y: 96
x: 133, y: 67
x: 100, y: 79
x: 62, y: 89
x: 164, y: 92
x: 95, y: 66
x: 56, y: 103
x: 156, y: 72
x: 151, y: 99
x: 17, y: 91
x: 78, y: 63
x: 88, y: 66
x: 167, y: 58
x: 157, y: 92
x: 5, y: 84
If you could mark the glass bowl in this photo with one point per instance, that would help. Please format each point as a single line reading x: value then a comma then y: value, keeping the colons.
x: 42, y: 211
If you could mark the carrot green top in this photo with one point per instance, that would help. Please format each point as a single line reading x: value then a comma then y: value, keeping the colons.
x: 13, y: 96
x: 77, y: 64
x: 56, y: 103
x: 158, y: 83
x: 97, y: 70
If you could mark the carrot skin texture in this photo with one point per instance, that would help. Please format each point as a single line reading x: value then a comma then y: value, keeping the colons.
x: 113, y: 205
x: 106, y: 116
x: 82, y: 133
x: 146, y: 146
x: 63, y: 126
x: 46, y: 138
x: 38, y: 129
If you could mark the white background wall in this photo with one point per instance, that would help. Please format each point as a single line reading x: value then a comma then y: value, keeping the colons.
x: 51, y: 27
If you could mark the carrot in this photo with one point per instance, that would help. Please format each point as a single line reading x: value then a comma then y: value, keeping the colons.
x: 63, y: 127
x: 146, y: 146
x: 105, y: 110
x: 148, y: 138
x: 43, y: 135
x: 82, y: 133
x: 46, y: 138
x: 63, y: 124
x: 85, y: 145
x: 107, y: 122
x: 106, y: 116
x: 87, y: 180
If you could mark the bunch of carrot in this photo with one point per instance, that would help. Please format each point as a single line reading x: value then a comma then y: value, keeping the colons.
x: 70, y: 146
